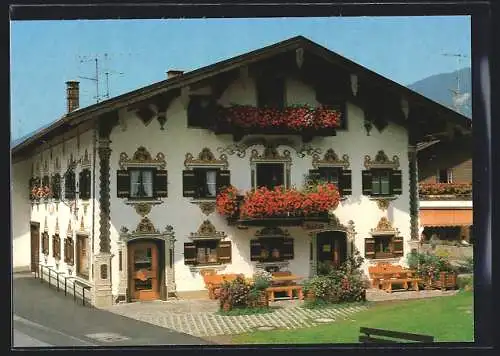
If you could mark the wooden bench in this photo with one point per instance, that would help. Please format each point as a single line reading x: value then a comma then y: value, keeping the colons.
x: 289, y: 289
x: 389, y: 336
x: 384, y: 275
x: 213, y: 282
x: 281, y: 274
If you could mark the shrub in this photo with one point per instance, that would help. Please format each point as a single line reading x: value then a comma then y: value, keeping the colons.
x: 428, y: 264
x: 465, y: 282
x: 234, y: 293
x: 466, y: 265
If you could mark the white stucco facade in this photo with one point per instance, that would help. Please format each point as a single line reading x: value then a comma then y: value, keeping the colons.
x: 181, y: 213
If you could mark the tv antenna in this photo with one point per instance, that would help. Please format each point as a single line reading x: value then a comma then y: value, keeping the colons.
x: 107, y: 72
x: 459, y: 98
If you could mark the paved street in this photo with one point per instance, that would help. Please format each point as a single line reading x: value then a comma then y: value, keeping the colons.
x: 45, y: 317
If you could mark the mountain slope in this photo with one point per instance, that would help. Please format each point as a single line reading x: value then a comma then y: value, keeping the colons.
x: 438, y: 88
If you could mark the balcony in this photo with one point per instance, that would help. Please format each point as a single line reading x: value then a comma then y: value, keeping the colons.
x: 306, y: 121
x: 278, y: 207
x: 445, y: 191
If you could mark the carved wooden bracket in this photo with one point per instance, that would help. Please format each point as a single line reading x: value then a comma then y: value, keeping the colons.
x: 270, y: 154
x: 142, y: 158
x: 207, y: 231
x: 405, y: 107
x: 299, y: 57
x: 330, y: 159
x: 354, y: 84
x: 205, y: 158
x: 381, y: 161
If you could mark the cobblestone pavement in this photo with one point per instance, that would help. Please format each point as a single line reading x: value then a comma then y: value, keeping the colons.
x: 198, y: 317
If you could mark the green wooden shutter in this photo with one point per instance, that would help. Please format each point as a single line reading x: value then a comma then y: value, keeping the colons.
x: 188, y: 183
x: 397, y: 246
x: 287, y: 252
x: 345, y: 184
x: 160, y: 184
x: 69, y: 185
x: 189, y: 253
x: 224, y: 251
x: 370, y: 248
x: 122, y: 184
x: 223, y: 179
x: 396, y: 182
x: 255, y: 248
x: 367, y: 182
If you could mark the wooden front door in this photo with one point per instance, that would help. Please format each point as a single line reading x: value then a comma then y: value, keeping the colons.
x: 35, y: 246
x: 144, y: 270
x: 332, y: 248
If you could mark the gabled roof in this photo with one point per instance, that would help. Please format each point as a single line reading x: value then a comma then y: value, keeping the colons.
x: 135, y: 96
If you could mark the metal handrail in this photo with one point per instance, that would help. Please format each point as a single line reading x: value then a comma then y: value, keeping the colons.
x: 57, y: 285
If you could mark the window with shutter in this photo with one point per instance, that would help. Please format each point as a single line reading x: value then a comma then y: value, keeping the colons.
x: 287, y: 251
x: 69, y: 251
x: 255, y: 250
x: 367, y: 182
x: 141, y: 183
x: 56, y: 247
x: 46, y: 181
x: 223, y: 179
x: 397, y: 247
x: 69, y: 185
x: 381, y: 182
x: 56, y: 186
x: 45, y: 243
x: 345, y: 184
x: 188, y: 183
x: 85, y: 184
x: 369, y: 248
x: 314, y: 175
x: 161, y: 184
x: 396, y: 182
x: 330, y: 175
x: 122, y: 184
x: 224, y: 252
x: 189, y: 253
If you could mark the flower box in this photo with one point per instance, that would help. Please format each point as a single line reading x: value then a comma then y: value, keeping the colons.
x: 445, y: 189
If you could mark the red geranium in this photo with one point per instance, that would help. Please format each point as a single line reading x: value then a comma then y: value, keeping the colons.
x: 227, y: 201
x: 293, y: 117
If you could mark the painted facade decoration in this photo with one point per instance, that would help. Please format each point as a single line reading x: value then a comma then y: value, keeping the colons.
x: 114, y: 241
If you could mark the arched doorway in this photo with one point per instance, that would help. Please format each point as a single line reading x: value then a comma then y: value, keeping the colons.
x: 145, y: 269
x: 331, y: 249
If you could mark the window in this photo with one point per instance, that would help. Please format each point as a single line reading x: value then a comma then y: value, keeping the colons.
x: 56, y: 186
x: 330, y: 174
x: 69, y: 185
x: 204, y: 183
x: 142, y: 183
x: 85, y: 183
x: 82, y: 261
x: 382, y: 182
x: 384, y: 246
x: 45, y: 243
x: 69, y: 251
x: 271, y: 93
x: 271, y: 249
x: 270, y: 175
x: 445, y: 176
x: 201, y: 111
x: 56, y: 247
x: 206, y: 252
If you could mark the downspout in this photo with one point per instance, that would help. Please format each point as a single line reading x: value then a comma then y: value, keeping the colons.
x: 94, y: 150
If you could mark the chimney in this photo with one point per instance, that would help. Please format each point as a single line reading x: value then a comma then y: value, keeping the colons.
x: 174, y: 73
x: 72, y: 95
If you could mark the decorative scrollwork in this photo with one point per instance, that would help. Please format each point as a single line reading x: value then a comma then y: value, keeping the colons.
x: 272, y: 231
x: 308, y: 150
x: 86, y: 160
x: 271, y: 154
x: 207, y: 230
x: 205, y: 158
x: 384, y: 226
x: 143, y: 209
x: 145, y: 226
x: 142, y: 157
x: 381, y: 161
x: 330, y: 159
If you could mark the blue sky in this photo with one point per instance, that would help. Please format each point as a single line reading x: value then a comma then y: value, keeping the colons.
x: 45, y: 54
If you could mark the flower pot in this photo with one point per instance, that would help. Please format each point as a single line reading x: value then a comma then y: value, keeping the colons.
x: 263, y: 301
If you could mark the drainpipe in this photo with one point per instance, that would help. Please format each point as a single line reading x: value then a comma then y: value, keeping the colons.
x: 94, y: 150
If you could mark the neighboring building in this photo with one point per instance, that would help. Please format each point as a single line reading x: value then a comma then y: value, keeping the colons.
x: 135, y: 177
x: 445, y: 179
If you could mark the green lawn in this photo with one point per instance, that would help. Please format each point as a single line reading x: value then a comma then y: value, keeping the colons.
x: 446, y: 318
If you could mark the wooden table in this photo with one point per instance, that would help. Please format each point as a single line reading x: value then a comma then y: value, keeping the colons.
x: 285, y: 280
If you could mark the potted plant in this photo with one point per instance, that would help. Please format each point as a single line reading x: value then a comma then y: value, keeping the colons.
x: 261, y: 281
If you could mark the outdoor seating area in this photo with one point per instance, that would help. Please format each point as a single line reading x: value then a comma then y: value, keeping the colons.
x: 214, y: 281
x: 385, y: 276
